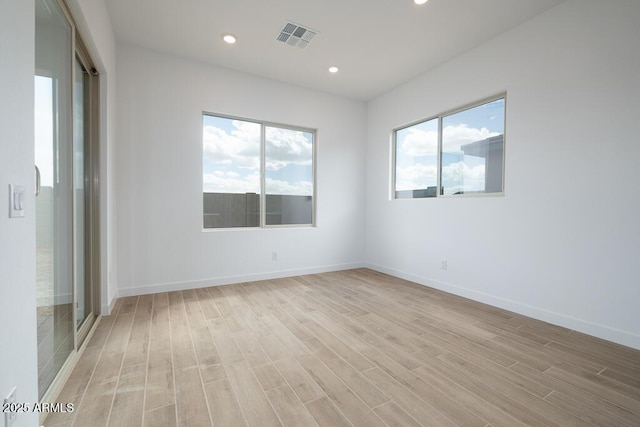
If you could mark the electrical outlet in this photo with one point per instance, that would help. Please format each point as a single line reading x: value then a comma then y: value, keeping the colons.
x: 443, y: 264
x: 274, y: 256
x: 8, y: 407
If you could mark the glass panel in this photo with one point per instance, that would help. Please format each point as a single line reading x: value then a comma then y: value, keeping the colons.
x: 231, y: 173
x: 417, y: 161
x: 473, y: 150
x: 79, y: 143
x: 54, y: 204
x: 288, y: 176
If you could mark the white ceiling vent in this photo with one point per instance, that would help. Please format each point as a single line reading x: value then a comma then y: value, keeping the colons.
x: 296, y: 35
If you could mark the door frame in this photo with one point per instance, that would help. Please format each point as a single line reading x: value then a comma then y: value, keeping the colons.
x: 92, y: 260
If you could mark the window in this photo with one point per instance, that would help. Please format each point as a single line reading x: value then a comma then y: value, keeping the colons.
x: 256, y: 174
x: 460, y: 153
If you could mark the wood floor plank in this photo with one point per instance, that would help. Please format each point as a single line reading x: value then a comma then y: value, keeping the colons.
x: 602, y: 381
x: 353, y: 408
x: 567, y: 392
x: 621, y: 378
x: 289, y: 341
x: 79, y: 378
x: 352, y: 378
x: 273, y: 347
x: 252, y: 321
x: 394, y: 415
x: 498, y: 371
x: 404, y: 330
x: 356, y: 359
x: 102, y: 332
x: 192, y: 408
x: 95, y: 406
x: 119, y: 336
x: 225, y: 343
x: 251, y: 398
x: 206, y: 350
x: 160, y: 389
x: 600, y: 349
x: 138, y: 344
x: 223, y: 404
x: 547, y: 412
x: 128, y: 305
x: 625, y: 408
x: 208, y: 307
x: 128, y: 402
x: 283, y: 313
x: 619, y: 365
x: 164, y: 416
x: 590, y: 414
x: 253, y: 353
x: 193, y: 310
x: 268, y: 376
x: 473, y: 402
x: 438, y: 400
x: 494, y: 397
x: 289, y: 408
x: 184, y: 355
x: 299, y: 380
x: 144, y: 307
x: 160, y: 317
x: 346, y: 348
x: 326, y: 413
x: 422, y: 411
x: 453, y: 344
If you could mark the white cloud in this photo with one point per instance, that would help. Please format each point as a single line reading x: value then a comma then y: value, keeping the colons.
x: 416, y: 177
x: 240, y: 147
x: 300, y: 188
x: 456, y: 176
x: 455, y: 136
x: 460, y: 177
x: 286, y: 146
x: 419, y: 142
x: 231, y: 182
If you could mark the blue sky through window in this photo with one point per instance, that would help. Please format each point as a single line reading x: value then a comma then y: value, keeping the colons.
x: 231, y: 158
x: 417, y: 149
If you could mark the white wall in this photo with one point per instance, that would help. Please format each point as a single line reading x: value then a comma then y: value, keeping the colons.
x: 95, y: 28
x: 161, y: 244
x: 563, y: 244
x: 18, y: 357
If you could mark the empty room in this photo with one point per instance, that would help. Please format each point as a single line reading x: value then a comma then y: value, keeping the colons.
x: 332, y: 213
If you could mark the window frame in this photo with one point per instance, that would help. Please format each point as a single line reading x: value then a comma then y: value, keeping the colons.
x: 439, y: 117
x: 263, y: 196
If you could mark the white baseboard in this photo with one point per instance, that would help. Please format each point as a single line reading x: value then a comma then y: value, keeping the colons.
x: 63, y: 299
x: 229, y: 280
x: 107, y: 308
x: 601, y: 331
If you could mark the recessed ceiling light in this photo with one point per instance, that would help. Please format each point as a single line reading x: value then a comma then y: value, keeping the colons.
x: 229, y: 38
x: 334, y: 70
x: 420, y: 1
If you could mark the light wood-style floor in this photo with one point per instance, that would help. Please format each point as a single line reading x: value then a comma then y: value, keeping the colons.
x: 339, y: 349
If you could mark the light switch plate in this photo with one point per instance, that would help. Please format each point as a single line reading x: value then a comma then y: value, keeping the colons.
x: 16, y: 201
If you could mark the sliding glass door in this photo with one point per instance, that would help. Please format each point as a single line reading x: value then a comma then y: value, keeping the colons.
x: 65, y: 208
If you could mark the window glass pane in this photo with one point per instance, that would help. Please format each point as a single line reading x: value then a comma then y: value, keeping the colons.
x: 417, y: 160
x: 473, y: 150
x: 231, y: 172
x: 288, y: 176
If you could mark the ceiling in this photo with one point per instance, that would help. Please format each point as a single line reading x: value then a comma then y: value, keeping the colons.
x: 377, y: 44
